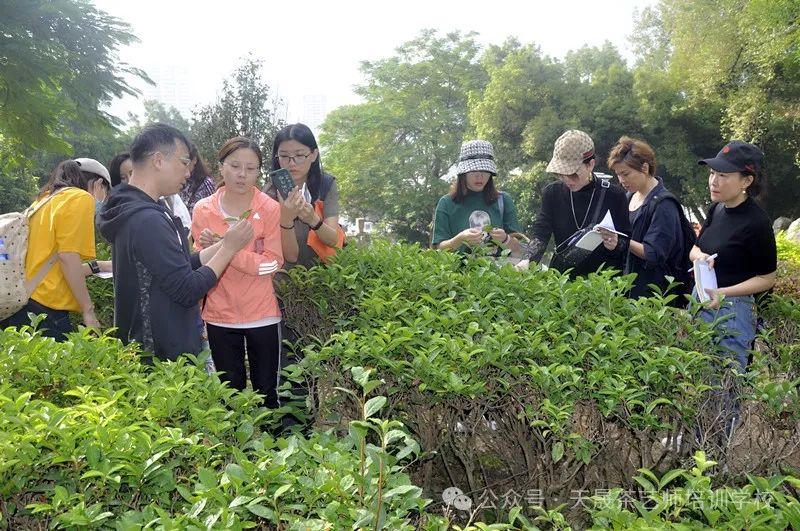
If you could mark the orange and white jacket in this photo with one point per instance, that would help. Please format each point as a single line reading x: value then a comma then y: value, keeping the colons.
x: 242, y: 295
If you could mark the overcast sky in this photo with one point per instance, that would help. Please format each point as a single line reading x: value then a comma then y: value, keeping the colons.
x: 312, y: 48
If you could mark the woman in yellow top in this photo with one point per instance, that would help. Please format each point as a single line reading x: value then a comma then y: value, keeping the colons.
x: 61, y: 236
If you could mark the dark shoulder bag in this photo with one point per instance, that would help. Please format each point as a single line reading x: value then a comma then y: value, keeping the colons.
x: 567, y: 255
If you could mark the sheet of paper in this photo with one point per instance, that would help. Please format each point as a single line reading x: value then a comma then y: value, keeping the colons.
x: 104, y: 274
x: 704, y: 277
x: 608, y: 224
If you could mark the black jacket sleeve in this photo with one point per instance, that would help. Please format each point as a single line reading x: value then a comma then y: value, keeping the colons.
x: 542, y: 228
x: 617, y: 204
x: 161, y: 250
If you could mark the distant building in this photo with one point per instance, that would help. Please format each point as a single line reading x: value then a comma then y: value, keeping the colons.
x: 172, y: 87
x: 315, y: 108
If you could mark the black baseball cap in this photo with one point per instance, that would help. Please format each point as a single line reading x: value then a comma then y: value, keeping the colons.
x: 736, y: 156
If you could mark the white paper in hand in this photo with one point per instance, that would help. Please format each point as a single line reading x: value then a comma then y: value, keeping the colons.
x: 704, y: 277
x: 608, y: 224
x: 590, y: 241
x: 104, y: 274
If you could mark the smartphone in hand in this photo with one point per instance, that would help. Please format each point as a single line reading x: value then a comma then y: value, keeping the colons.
x: 282, y: 181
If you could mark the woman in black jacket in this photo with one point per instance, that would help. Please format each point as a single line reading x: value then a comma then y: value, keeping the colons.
x: 656, y: 248
x: 578, y: 200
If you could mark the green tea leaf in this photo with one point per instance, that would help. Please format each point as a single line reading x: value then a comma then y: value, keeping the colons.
x: 374, y: 405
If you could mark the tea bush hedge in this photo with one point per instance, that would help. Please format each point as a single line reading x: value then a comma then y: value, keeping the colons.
x: 90, y: 438
x: 427, y: 371
x: 532, y: 382
x: 788, y: 282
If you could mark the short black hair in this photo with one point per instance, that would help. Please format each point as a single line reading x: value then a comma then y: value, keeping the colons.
x: 156, y: 137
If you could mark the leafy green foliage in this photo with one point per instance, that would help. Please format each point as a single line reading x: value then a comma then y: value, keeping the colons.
x: 527, y: 379
x: 58, y: 63
x: 155, y: 111
x: 19, y: 189
x: 464, y: 345
x: 686, y: 499
x: 744, y: 70
x: 788, y: 281
x: 245, y: 107
x: 532, y: 380
x: 390, y: 153
x: 91, y: 438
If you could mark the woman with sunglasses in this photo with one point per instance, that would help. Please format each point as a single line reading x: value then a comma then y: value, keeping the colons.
x: 579, y: 200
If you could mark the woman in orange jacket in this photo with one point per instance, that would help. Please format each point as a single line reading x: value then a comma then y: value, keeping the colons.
x: 241, y: 312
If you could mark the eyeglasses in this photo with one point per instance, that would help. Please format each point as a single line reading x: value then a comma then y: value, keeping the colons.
x: 237, y: 166
x: 186, y: 161
x: 297, y: 158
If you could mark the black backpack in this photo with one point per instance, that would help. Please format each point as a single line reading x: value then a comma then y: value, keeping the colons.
x: 680, y: 270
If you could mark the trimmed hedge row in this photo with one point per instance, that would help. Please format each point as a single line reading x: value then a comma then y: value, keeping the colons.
x: 533, y: 382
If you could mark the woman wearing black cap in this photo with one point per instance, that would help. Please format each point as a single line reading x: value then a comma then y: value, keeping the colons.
x: 736, y: 241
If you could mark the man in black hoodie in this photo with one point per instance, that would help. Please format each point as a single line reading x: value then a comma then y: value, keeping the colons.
x: 158, y: 283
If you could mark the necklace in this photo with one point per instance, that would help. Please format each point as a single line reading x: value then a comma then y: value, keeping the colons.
x: 588, y: 208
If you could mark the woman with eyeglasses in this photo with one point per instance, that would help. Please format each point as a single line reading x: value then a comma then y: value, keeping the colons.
x: 579, y: 200
x: 313, y: 206
x: 241, y: 311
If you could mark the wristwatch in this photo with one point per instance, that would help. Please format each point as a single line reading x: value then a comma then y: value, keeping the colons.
x: 94, y: 267
x: 317, y: 226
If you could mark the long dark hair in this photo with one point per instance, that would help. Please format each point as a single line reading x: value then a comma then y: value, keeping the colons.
x: 199, y: 171
x: 301, y: 133
x: 458, y: 190
x: 115, y: 165
x: 67, y: 173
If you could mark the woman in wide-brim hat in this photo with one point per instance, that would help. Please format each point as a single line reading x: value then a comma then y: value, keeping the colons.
x: 475, y: 211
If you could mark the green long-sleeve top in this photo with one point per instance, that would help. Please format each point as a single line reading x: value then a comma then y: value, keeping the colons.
x: 452, y: 218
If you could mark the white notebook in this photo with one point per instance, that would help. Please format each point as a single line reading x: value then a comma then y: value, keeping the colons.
x: 592, y: 239
x: 704, y: 277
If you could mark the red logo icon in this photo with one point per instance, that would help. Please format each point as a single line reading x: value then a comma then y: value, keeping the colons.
x: 726, y: 150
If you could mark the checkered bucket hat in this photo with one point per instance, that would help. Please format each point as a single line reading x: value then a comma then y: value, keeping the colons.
x: 476, y: 155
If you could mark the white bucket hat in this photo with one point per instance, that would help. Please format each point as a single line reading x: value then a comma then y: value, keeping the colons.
x: 476, y: 155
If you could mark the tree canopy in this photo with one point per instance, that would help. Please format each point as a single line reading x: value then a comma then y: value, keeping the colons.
x: 706, y: 72
x: 390, y: 152
x: 245, y: 107
x: 58, y: 64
